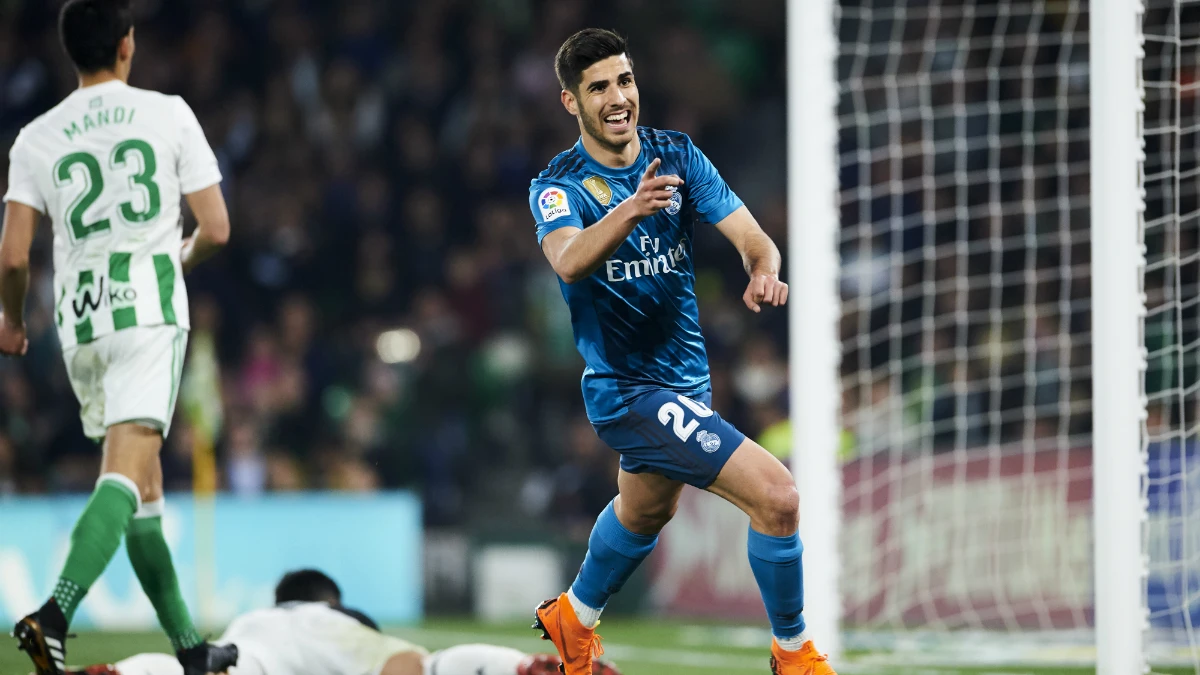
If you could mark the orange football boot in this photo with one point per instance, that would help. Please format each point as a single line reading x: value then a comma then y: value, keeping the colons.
x: 576, y: 643
x: 807, y: 661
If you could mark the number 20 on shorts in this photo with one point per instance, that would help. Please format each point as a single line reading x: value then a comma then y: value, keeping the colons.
x: 671, y: 413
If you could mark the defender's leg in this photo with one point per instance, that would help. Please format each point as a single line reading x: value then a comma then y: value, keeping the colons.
x: 148, y: 552
x: 94, y: 541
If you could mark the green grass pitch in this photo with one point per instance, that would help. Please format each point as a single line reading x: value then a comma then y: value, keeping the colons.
x: 639, y: 647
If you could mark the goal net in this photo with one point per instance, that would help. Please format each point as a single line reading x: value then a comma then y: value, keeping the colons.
x: 966, y: 328
x: 1170, y: 230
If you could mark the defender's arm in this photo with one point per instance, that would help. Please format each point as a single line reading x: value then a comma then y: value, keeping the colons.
x: 20, y: 222
x: 212, y: 228
x: 575, y: 253
x: 760, y: 258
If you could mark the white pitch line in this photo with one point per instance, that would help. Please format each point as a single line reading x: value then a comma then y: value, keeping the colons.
x: 617, y: 651
x: 622, y: 653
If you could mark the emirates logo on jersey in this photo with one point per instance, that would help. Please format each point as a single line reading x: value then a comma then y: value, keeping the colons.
x: 651, y: 264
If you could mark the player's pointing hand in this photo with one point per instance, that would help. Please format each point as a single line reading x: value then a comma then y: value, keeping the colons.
x: 765, y: 289
x: 654, y: 191
x: 651, y: 170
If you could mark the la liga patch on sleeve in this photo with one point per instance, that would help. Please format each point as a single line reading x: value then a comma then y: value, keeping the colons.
x: 553, y: 204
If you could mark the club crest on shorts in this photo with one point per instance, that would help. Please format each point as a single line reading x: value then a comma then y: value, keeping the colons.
x: 709, y: 442
x: 673, y: 210
x: 599, y: 189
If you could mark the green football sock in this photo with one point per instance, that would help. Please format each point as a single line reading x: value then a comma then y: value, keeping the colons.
x: 95, y: 539
x: 152, y: 562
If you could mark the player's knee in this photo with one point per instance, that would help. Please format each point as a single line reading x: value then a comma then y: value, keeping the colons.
x: 660, y: 515
x: 649, y: 519
x: 779, y: 511
x: 407, y: 663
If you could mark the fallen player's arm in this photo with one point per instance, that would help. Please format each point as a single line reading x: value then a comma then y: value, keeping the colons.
x: 760, y: 258
x: 575, y: 253
x: 20, y: 221
x: 212, y: 227
x: 405, y: 663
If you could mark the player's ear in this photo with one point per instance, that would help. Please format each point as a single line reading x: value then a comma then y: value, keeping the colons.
x: 570, y: 102
x: 126, y: 47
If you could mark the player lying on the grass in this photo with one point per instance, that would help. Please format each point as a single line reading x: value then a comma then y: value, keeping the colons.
x: 108, y: 166
x: 616, y: 215
x: 310, y: 632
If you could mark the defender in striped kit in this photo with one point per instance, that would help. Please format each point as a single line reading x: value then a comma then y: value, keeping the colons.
x: 109, y: 166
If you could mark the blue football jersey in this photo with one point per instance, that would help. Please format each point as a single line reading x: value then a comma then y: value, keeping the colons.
x: 635, y: 318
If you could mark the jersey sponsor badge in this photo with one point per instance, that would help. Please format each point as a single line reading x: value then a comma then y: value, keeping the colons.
x: 553, y: 204
x: 709, y: 442
x: 599, y: 189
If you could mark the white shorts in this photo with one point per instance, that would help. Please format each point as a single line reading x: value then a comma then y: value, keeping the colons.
x: 131, y: 375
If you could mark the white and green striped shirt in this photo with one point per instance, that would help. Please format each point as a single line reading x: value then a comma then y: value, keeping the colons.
x: 109, y: 166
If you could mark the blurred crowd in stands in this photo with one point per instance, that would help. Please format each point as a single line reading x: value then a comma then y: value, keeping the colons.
x: 383, y: 317
x: 377, y: 156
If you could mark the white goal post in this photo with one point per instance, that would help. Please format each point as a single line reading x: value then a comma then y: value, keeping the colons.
x: 813, y: 306
x: 1118, y: 364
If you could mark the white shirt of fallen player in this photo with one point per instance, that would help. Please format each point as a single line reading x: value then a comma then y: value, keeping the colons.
x: 314, y: 639
x: 109, y: 165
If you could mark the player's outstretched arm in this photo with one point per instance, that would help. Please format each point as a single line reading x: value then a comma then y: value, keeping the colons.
x: 212, y: 227
x: 760, y: 257
x: 407, y: 663
x: 20, y: 221
x: 575, y: 254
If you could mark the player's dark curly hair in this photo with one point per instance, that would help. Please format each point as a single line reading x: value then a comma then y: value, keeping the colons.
x: 307, y: 586
x: 91, y: 30
x: 583, y: 49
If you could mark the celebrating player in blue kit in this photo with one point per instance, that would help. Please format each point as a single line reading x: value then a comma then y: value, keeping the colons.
x: 616, y: 215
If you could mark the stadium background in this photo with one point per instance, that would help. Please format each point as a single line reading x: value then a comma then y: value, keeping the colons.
x: 383, y: 320
x: 377, y: 158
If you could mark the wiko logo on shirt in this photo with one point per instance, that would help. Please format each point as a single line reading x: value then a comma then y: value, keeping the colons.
x: 92, y: 294
x: 653, y: 264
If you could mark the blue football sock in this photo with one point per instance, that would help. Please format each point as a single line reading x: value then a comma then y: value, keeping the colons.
x: 613, y: 554
x: 777, y: 568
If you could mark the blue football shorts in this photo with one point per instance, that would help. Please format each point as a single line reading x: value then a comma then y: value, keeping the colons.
x: 672, y: 435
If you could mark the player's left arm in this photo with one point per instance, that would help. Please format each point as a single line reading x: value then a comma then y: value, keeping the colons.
x: 716, y: 203
x: 200, y: 182
x: 760, y: 257
x: 20, y: 222
x: 212, y: 227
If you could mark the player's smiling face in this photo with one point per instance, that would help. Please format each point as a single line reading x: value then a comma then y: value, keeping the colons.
x: 607, y: 103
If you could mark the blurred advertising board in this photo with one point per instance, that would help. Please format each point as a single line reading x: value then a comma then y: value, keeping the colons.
x: 991, y: 539
x: 370, y: 544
